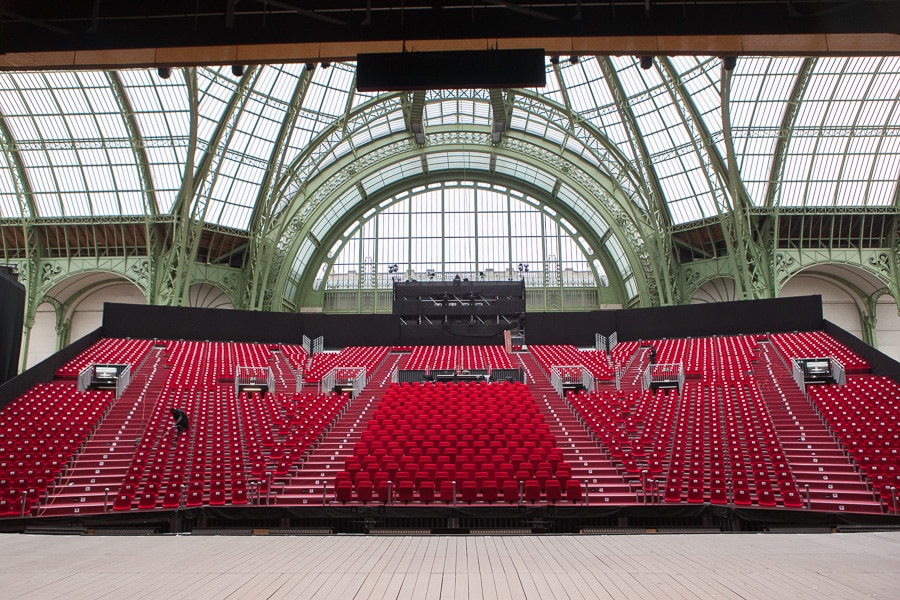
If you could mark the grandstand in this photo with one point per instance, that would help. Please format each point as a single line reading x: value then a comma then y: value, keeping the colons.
x: 651, y: 287
x: 587, y: 436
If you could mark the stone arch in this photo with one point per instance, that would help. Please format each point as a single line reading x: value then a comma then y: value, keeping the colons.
x: 846, y: 292
x: 78, y: 308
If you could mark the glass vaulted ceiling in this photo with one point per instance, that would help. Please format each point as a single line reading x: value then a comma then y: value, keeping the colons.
x: 807, y: 133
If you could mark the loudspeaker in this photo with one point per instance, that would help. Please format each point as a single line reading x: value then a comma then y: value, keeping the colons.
x: 410, y: 71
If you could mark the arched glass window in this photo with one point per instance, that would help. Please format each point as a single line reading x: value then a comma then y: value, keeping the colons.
x: 473, y: 230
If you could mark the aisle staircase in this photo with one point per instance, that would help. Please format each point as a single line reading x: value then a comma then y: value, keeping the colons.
x: 313, y: 482
x: 590, y: 465
x: 815, y: 458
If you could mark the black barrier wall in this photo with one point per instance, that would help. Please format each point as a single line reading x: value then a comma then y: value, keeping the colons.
x: 881, y: 363
x: 726, y: 318
x: 12, y: 317
x: 803, y: 313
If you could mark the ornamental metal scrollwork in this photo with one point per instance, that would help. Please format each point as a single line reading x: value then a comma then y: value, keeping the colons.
x: 783, y: 265
x: 882, y: 262
x: 49, y: 271
x: 691, y: 277
x: 141, y: 271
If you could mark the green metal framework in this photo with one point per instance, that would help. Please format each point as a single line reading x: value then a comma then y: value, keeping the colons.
x: 668, y: 177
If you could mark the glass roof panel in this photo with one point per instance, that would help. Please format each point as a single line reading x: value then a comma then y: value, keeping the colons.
x: 393, y: 173
x: 760, y: 90
x: 9, y: 202
x: 323, y: 103
x: 444, y: 161
x: 161, y: 112
x: 236, y: 184
x: 525, y: 172
x: 552, y: 89
x: 702, y: 78
x: 71, y: 127
x: 594, y: 102
x: 73, y: 132
x: 843, y: 139
x: 684, y: 182
x: 457, y: 107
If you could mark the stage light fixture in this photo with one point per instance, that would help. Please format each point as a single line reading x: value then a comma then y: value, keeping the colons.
x: 646, y: 62
x: 164, y: 72
x: 237, y: 70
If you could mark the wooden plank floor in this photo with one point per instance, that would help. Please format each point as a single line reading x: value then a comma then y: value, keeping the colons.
x: 765, y: 566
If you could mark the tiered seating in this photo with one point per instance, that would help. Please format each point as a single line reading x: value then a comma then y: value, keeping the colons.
x: 235, y: 447
x: 865, y: 417
x: 352, y: 356
x: 116, y: 351
x: 595, y: 362
x: 451, y: 358
x: 40, y: 432
x: 622, y: 353
x: 484, y: 357
x: 467, y: 442
x: 295, y: 355
x: 815, y: 344
x: 701, y: 442
x: 725, y: 358
x: 228, y: 356
x: 427, y: 358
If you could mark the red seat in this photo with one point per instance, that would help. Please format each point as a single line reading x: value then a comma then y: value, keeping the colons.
x: 447, y: 492
x: 765, y: 497
x: 673, y: 493
x: 511, y: 491
x: 553, y: 491
x: 239, y: 495
x: 384, y: 491
x: 148, y: 500
x: 122, y: 502
x: 791, y: 498
x: 717, y: 493
x: 426, y: 492
x: 490, y: 491
x: 573, y: 490
x: 406, y: 491
x: 172, y: 497
x: 344, y: 491
x: 532, y: 490
x: 742, y: 496
x: 469, y: 491
x: 365, y: 491
x: 695, y: 491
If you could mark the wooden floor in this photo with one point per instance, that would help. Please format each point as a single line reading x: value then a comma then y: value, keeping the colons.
x: 769, y: 566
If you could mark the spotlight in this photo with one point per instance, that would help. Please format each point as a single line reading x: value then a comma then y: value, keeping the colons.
x: 554, y: 60
x: 729, y: 62
x: 574, y: 59
x: 646, y: 62
x: 164, y: 72
x: 237, y: 70
x: 325, y: 65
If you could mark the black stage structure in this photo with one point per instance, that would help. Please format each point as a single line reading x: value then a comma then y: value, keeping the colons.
x: 12, y: 317
x: 760, y: 316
